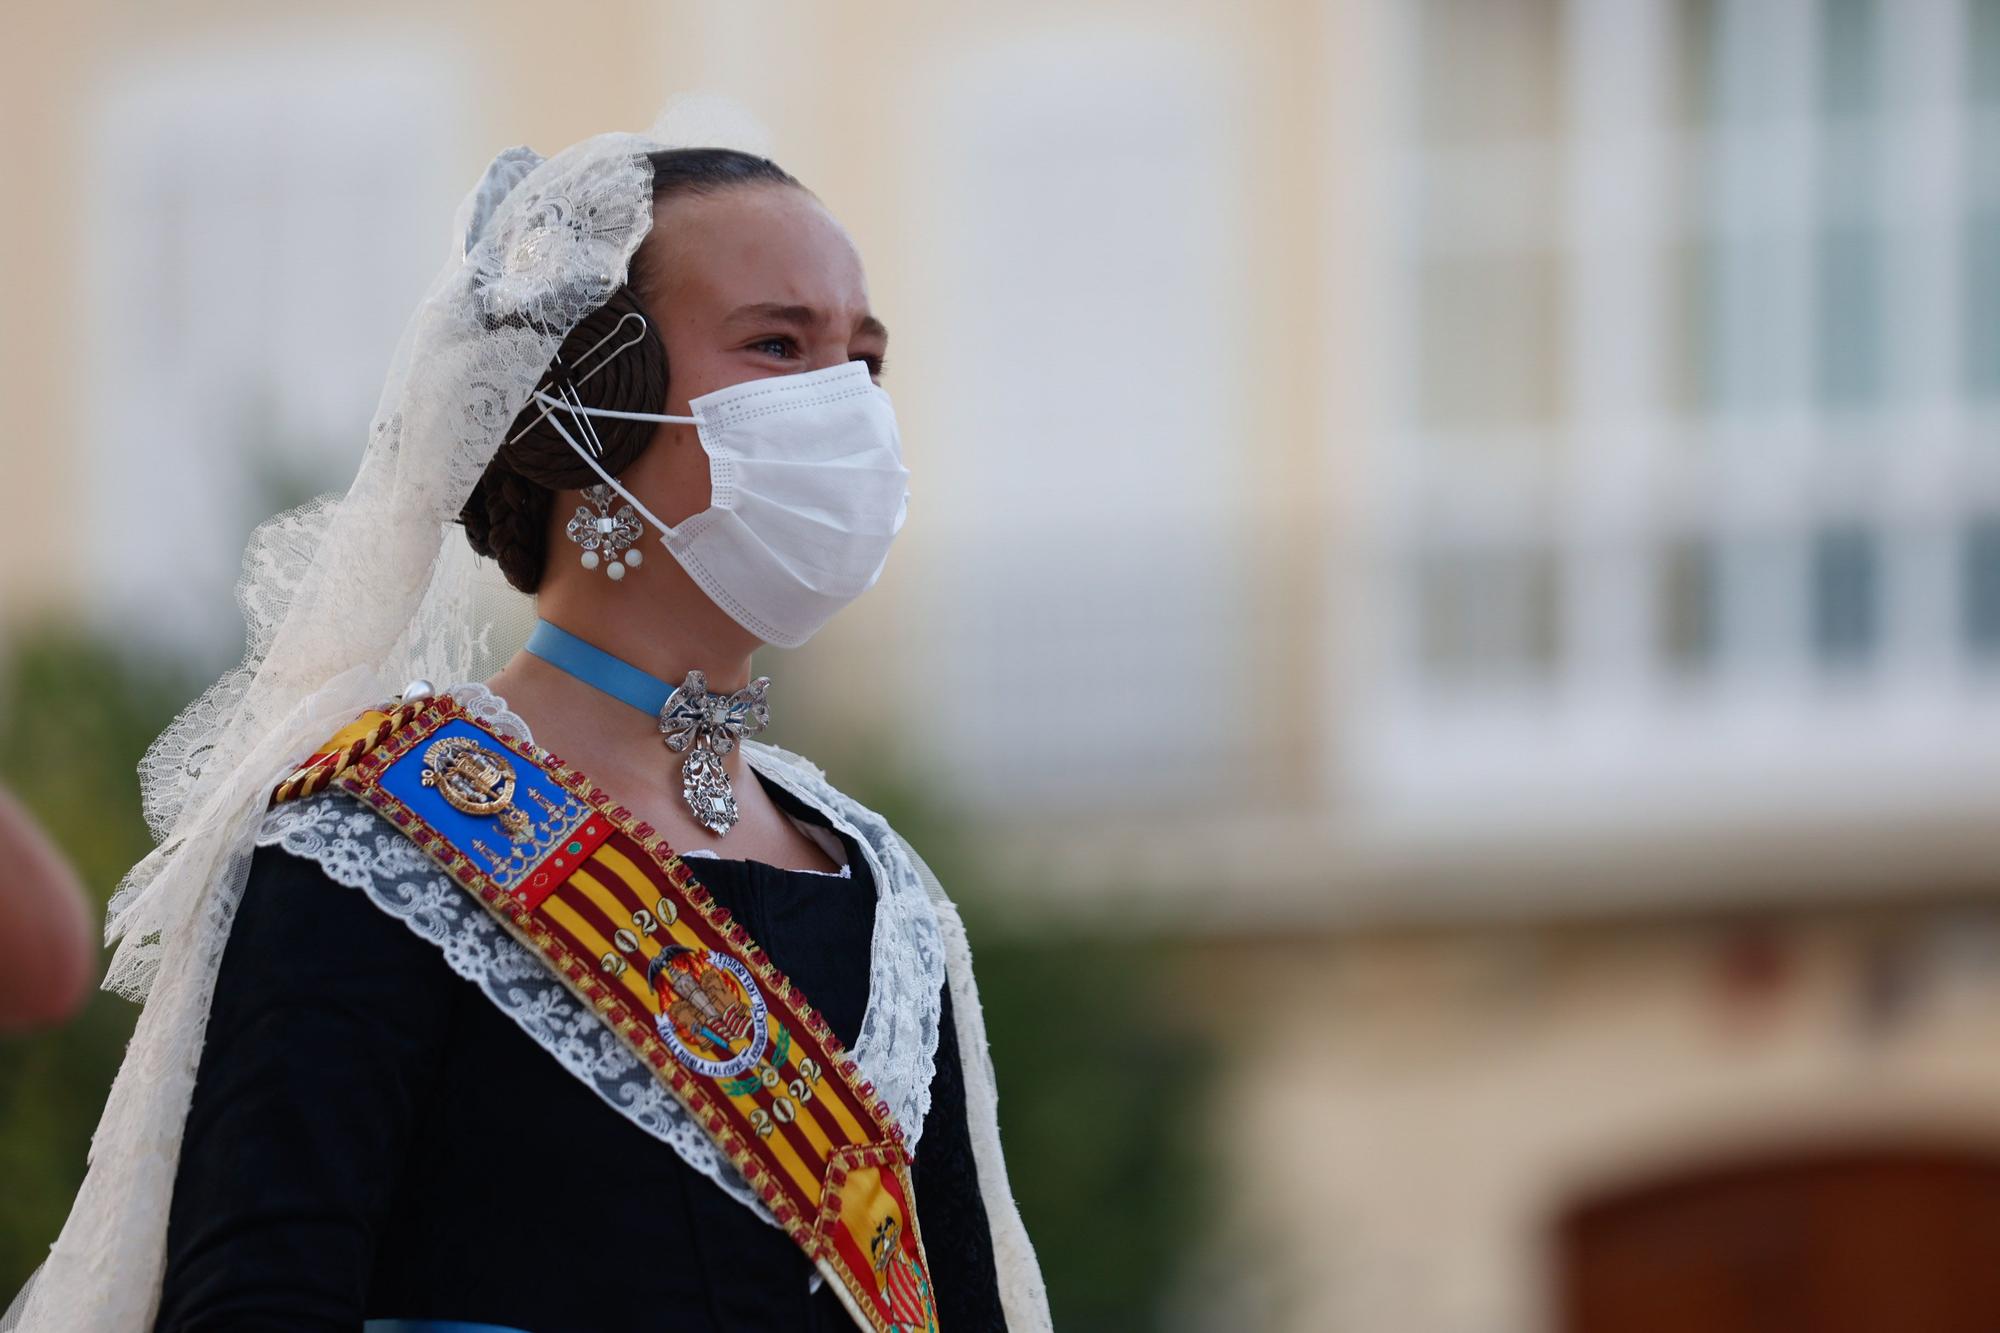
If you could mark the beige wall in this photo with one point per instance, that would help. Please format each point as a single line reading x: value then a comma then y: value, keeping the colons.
x: 844, y: 92
x: 38, y: 338
x: 1421, y: 1107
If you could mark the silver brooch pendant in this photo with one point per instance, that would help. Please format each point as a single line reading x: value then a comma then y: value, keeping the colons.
x: 702, y: 728
x: 605, y: 535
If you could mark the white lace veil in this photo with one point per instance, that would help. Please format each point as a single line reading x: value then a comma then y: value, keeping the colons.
x: 346, y: 599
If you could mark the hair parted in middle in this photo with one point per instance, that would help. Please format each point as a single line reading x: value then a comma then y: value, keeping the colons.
x: 507, y: 515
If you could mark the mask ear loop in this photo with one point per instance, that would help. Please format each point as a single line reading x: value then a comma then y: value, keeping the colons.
x: 604, y: 361
x: 575, y: 403
x: 580, y: 411
x: 572, y: 404
x: 609, y: 480
x: 611, y: 412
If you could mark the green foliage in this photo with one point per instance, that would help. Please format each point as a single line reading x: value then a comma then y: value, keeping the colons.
x: 74, y: 719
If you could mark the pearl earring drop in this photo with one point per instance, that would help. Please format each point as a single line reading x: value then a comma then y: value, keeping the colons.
x: 595, y: 528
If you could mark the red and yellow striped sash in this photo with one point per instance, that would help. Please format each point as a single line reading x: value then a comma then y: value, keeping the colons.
x: 617, y: 915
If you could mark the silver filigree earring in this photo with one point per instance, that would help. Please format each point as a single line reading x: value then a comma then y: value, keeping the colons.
x: 703, y: 727
x: 605, y: 535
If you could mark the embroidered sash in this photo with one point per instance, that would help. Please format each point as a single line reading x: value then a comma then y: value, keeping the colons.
x: 618, y: 916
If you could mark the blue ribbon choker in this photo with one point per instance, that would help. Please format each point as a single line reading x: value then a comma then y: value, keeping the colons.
x: 699, y: 726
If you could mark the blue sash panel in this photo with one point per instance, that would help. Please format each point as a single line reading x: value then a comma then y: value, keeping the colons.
x: 554, y: 811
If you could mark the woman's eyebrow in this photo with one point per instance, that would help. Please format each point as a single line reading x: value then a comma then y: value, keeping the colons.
x: 800, y: 316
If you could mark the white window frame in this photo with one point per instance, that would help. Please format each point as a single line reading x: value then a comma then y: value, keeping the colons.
x: 1616, y: 733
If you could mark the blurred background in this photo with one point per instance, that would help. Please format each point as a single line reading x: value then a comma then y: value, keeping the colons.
x: 1448, y: 636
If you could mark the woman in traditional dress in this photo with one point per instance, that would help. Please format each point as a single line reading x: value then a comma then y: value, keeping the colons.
x: 379, y: 1077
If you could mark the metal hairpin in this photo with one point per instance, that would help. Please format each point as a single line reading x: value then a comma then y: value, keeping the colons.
x: 566, y: 390
x: 604, y: 361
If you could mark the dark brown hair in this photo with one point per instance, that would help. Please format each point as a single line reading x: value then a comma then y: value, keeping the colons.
x: 507, y: 515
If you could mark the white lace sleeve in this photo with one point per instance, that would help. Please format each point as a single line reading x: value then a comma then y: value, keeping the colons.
x: 1023, y: 1293
x: 897, y: 1045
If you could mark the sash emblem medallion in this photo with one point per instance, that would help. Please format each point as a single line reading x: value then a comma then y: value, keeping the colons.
x: 709, y: 1003
x: 475, y: 781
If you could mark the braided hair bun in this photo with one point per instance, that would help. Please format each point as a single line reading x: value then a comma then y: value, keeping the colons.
x: 506, y: 517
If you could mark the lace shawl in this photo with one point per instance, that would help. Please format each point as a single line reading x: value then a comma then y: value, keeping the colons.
x: 897, y: 1045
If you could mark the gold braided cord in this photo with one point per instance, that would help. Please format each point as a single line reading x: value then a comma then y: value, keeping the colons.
x: 328, y: 764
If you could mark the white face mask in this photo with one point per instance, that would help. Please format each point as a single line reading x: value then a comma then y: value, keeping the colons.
x: 807, y: 491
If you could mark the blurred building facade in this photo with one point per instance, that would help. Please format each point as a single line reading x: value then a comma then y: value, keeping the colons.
x: 1639, y: 968
x: 1473, y: 519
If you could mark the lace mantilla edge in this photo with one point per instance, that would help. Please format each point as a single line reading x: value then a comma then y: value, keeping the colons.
x: 897, y: 1046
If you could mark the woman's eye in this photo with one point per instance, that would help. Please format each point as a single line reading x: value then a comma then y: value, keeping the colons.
x: 778, y: 341
x: 875, y: 364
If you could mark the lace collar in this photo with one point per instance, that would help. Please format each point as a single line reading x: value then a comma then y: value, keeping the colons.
x: 896, y: 1047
